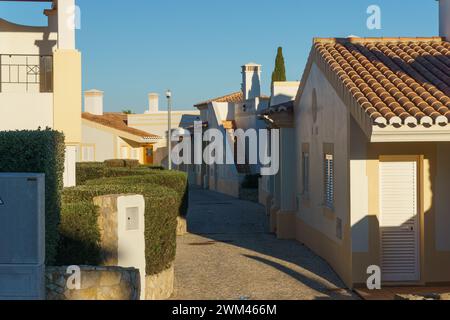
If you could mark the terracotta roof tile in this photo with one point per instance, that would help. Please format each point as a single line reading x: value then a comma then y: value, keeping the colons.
x: 117, y: 121
x: 395, y: 80
x: 234, y: 97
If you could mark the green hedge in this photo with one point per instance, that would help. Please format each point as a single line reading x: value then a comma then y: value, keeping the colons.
x: 80, y: 242
x: 40, y: 151
x: 96, y: 170
x: 175, y: 180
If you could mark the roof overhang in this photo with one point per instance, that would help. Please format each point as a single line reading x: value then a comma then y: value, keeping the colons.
x: 123, y: 134
x: 433, y: 133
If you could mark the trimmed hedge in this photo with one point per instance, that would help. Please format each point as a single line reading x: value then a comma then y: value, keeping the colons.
x: 122, y: 163
x: 175, y: 180
x: 96, y: 170
x: 80, y: 241
x: 40, y: 151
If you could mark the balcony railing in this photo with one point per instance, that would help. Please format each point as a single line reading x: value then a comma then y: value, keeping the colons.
x: 32, y: 73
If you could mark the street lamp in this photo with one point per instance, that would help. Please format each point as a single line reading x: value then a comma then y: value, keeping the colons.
x: 169, y: 128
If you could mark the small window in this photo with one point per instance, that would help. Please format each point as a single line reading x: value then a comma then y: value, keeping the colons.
x: 329, y: 181
x: 87, y: 154
x: 305, y: 172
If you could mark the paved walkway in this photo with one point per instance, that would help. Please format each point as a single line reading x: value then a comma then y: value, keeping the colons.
x: 230, y: 255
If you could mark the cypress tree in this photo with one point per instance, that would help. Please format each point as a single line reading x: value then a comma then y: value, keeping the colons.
x: 279, y: 73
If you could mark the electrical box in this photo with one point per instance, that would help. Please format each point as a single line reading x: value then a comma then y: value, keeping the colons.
x: 22, y: 236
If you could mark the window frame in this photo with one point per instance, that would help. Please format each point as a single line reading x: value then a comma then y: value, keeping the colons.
x: 329, y: 180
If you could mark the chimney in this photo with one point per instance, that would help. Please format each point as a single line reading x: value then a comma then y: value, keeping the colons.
x: 251, y: 80
x: 153, y: 102
x: 444, y: 19
x: 93, y: 102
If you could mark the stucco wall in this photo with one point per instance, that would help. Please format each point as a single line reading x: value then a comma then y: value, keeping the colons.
x: 434, y: 178
x: 26, y: 111
x: 325, y: 125
x: 18, y: 39
x: 104, y: 142
x: 67, y: 94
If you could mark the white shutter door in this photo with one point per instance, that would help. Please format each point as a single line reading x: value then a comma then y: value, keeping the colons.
x: 399, y: 221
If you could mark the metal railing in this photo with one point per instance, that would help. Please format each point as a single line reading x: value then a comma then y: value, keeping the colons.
x: 33, y: 72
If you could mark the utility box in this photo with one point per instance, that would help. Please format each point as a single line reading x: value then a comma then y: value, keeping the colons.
x: 22, y: 236
x: 122, y: 232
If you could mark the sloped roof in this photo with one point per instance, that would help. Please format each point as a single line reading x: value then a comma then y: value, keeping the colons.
x: 232, y: 97
x: 118, y: 121
x: 394, y: 81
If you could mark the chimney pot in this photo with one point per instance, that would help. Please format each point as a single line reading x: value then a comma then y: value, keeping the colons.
x: 153, y: 102
x: 93, y: 102
x: 251, y: 80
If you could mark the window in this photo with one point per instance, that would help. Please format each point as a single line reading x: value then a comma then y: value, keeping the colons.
x: 305, y: 172
x: 135, y: 154
x: 123, y: 152
x: 87, y: 154
x: 329, y: 181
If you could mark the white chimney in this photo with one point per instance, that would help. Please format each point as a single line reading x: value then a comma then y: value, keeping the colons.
x: 153, y: 102
x: 444, y: 19
x: 251, y: 80
x: 93, y: 102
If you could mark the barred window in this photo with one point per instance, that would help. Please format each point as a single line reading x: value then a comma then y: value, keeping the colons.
x: 329, y: 181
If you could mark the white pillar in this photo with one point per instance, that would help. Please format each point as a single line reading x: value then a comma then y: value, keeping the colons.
x: 66, y: 24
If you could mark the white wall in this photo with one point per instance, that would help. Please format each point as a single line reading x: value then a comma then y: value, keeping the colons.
x: 331, y: 126
x: 105, y: 142
x: 444, y: 18
x: 26, y: 111
x: 17, y: 39
x: 283, y: 91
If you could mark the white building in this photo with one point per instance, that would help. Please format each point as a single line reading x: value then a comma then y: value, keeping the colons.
x: 156, y: 122
x: 106, y: 135
x: 238, y: 110
x: 40, y: 78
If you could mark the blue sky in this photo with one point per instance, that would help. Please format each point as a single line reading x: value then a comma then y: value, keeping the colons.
x: 196, y: 47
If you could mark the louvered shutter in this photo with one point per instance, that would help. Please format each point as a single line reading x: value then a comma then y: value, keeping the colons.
x: 399, y: 221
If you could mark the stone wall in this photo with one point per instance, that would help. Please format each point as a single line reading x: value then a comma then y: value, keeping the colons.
x: 160, y: 286
x: 107, y: 221
x: 97, y: 283
x: 181, y: 226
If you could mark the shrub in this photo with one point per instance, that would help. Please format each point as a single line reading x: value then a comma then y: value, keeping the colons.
x: 122, y: 163
x: 40, y: 151
x: 80, y: 238
x: 175, y: 180
x: 95, y: 170
x: 115, y: 163
x: 161, y: 205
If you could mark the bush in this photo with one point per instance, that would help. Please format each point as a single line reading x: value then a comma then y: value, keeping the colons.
x: 115, y: 163
x: 161, y: 205
x: 80, y: 238
x: 40, y: 151
x: 96, y: 170
x: 175, y: 180
x: 122, y: 163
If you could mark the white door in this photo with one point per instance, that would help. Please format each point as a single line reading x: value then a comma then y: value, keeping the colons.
x: 399, y: 222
